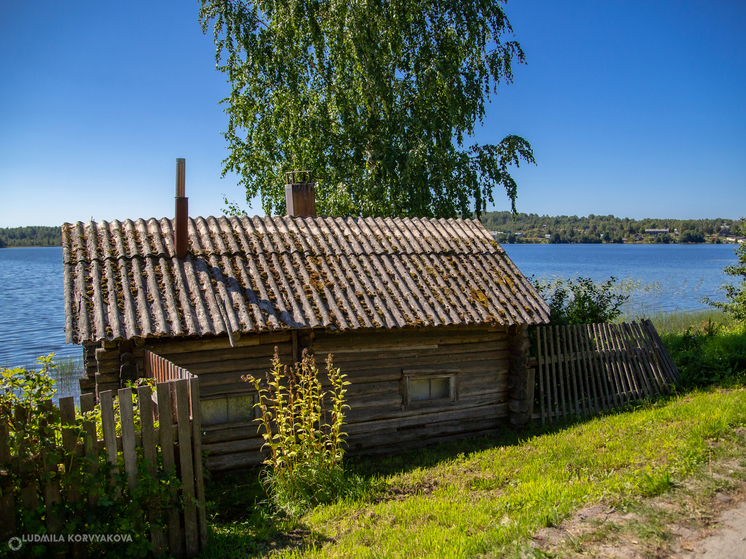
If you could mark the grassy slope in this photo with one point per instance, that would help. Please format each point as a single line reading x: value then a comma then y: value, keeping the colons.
x: 487, y: 497
x: 708, y: 348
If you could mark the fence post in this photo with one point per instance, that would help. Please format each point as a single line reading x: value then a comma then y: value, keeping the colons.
x: 70, y: 443
x: 175, y: 543
x: 150, y: 455
x: 88, y: 404
x: 198, y: 474
x: 191, y: 531
x: 129, y: 453
x: 51, y: 489
x: 29, y: 497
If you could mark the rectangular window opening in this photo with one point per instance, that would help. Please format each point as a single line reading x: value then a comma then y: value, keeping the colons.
x: 423, y: 388
x: 229, y: 409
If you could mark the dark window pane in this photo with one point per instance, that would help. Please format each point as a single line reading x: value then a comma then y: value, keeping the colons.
x: 439, y: 388
x: 419, y: 389
x: 241, y: 408
x: 214, y: 411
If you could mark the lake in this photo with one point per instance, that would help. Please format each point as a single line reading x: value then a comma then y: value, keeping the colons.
x: 672, y: 277
x: 32, y: 316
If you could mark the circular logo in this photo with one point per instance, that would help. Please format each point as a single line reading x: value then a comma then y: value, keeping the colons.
x: 15, y: 543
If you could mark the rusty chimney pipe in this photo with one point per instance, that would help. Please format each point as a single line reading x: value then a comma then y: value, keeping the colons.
x: 181, y: 229
x: 300, y: 194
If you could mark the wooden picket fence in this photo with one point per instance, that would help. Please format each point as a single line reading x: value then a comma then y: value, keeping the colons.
x: 174, y: 404
x: 161, y: 369
x: 586, y: 369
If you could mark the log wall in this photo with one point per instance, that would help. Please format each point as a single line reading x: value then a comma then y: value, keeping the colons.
x: 380, y: 420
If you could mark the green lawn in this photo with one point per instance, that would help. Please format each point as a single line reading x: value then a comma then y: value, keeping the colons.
x: 487, y: 497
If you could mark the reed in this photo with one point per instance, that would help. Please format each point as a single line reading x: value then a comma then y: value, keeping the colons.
x: 677, y: 322
x: 66, y: 373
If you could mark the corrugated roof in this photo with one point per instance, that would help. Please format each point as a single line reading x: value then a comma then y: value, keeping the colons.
x: 123, y: 279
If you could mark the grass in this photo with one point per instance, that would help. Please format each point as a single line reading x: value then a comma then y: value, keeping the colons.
x: 487, y: 497
x: 679, y: 322
x: 706, y: 347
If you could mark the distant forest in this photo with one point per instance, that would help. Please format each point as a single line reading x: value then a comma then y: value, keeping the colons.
x: 526, y: 228
x: 533, y: 228
x: 30, y: 237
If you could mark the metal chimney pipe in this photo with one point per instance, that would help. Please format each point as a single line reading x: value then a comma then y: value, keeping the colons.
x: 181, y: 229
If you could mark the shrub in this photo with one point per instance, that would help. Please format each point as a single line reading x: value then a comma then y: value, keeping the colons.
x: 580, y: 300
x: 304, y: 465
x: 709, y: 353
x: 108, y: 505
x: 735, y: 295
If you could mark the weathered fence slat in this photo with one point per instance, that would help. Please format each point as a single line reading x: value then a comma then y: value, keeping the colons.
x: 639, y: 357
x: 129, y: 451
x: 541, y: 360
x: 107, y: 425
x: 652, y: 361
x: 629, y: 373
x: 51, y: 489
x: 671, y: 370
x: 554, y: 384
x: 550, y: 386
x: 623, y: 382
x: 191, y: 531
x: 175, y: 535
x: 598, y: 366
x: 561, y: 376
x: 571, y: 368
x: 584, y: 377
x: 88, y: 404
x: 150, y: 455
x: 605, y: 367
x: 636, y: 363
x: 29, y: 498
x: 593, y: 391
x: 70, y: 443
x: 198, y: 474
x: 587, y: 369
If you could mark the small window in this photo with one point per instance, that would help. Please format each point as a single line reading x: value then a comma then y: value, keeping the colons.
x: 429, y: 387
x: 228, y: 409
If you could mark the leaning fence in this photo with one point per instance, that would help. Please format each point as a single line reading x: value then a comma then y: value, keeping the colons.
x: 160, y: 434
x: 586, y: 369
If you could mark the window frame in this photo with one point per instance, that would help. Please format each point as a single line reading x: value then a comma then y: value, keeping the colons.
x: 429, y: 374
x: 256, y: 412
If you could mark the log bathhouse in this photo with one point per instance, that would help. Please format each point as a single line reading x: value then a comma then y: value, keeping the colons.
x: 428, y: 318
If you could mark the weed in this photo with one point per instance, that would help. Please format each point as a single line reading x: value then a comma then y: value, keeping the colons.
x: 304, y: 465
x: 709, y: 353
x: 653, y: 484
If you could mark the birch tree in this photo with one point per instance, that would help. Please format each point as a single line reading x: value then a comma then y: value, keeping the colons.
x: 377, y: 98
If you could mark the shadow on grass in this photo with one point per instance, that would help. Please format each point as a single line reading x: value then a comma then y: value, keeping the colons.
x: 244, y: 524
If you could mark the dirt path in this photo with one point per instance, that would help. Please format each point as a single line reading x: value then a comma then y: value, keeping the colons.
x: 730, y: 543
x: 703, y: 518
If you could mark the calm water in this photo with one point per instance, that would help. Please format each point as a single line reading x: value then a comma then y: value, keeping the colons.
x: 32, y: 316
x: 673, y: 277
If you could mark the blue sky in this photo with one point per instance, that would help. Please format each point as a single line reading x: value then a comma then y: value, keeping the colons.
x: 633, y: 108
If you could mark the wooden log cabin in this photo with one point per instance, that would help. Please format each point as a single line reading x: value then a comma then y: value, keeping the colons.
x: 427, y: 318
